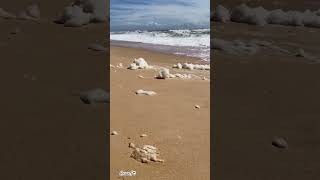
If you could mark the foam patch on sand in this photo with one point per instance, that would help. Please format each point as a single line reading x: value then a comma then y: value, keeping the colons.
x: 82, y: 12
x: 96, y: 47
x: 31, y: 12
x: 260, y: 16
x: 250, y: 47
x: 5, y: 14
x: 146, y: 154
x: 191, y: 66
x: 301, y: 53
x: 95, y: 96
x: 164, y: 73
x: 120, y: 65
x: 221, y: 14
x: 139, y: 63
x: 233, y: 47
x: 181, y: 76
x: 145, y: 93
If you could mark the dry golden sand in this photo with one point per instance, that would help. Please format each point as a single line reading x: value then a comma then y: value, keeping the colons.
x: 173, y: 125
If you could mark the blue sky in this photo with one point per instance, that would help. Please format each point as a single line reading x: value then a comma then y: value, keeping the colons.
x: 140, y: 14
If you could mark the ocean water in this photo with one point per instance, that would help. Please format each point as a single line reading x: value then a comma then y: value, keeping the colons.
x: 193, y: 43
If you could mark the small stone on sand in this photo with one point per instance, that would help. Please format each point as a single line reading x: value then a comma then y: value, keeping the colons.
x: 15, y: 31
x: 197, y: 106
x: 120, y: 65
x: 143, y: 135
x: 301, y: 53
x: 132, y: 145
x: 114, y: 133
x: 279, y: 143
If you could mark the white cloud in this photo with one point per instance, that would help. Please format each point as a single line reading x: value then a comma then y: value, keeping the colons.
x: 156, y: 12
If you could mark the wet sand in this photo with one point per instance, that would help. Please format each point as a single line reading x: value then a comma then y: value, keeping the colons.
x: 173, y: 125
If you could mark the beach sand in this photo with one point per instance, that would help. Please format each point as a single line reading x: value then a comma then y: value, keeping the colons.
x: 173, y: 124
x: 265, y: 95
x: 46, y: 131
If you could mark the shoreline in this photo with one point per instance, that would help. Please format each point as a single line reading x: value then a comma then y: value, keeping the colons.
x: 113, y: 44
x: 188, y: 43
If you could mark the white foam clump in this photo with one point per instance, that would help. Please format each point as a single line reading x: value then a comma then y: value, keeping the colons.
x: 178, y: 66
x: 146, y: 154
x: 245, y: 14
x: 302, y: 53
x: 191, y: 66
x: 181, y: 76
x: 5, y: 14
x: 32, y: 12
x: 82, y: 12
x: 164, y: 73
x: 221, y: 14
x: 144, y: 92
x: 95, y: 96
x: 260, y: 16
x: 234, y: 47
x: 139, y: 63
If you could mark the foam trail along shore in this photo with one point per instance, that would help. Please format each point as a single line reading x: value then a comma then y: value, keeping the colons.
x: 82, y: 12
x: 260, y: 16
x: 31, y: 12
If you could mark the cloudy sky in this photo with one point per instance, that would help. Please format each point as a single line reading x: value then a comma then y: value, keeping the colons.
x: 158, y: 13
